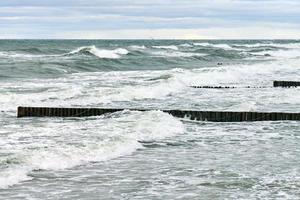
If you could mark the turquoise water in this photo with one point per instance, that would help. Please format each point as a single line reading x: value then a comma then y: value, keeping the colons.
x: 148, y: 155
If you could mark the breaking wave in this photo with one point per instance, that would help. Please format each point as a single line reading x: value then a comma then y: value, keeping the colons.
x: 100, y: 53
x: 90, y: 50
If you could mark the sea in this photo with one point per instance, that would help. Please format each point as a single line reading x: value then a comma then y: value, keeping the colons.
x: 148, y: 155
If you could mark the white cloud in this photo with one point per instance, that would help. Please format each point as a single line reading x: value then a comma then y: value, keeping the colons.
x: 150, y: 18
x: 253, y: 32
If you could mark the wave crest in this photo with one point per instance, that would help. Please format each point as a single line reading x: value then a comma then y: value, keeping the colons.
x: 100, y: 53
x: 171, y: 47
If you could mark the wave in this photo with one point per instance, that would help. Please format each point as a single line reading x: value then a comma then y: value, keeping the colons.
x: 100, y: 53
x: 280, y: 54
x: 112, y: 136
x: 91, y: 50
x: 171, y: 47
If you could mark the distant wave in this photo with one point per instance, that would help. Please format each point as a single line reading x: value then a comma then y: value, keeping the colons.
x: 186, y: 45
x: 100, y: 53
x: 92, y: 50
x: 172, y: 47
x: 205, y: 44
x: 138, y: 47
x: 275, y: 45
x: 22, y: 55
x: 280, y: 54
x: 222, y: 46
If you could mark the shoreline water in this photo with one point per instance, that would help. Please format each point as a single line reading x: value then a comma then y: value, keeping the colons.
x: 152, y: 154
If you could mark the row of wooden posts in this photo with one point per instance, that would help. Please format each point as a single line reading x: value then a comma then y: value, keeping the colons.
x: 214, y: 116
x: 285, y: 84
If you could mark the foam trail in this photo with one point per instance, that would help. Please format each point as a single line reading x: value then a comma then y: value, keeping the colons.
x: 25, y: 56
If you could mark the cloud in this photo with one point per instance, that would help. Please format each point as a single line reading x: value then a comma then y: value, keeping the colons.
x: 253, y: 32
x: 124, y: 18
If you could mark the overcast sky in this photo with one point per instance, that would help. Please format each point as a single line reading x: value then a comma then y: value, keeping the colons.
x: 158, y: 19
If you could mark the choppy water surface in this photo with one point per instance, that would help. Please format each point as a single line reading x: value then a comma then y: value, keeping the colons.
x: 148, y: 155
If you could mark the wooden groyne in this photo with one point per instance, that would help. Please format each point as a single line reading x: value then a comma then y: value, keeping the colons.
x: 275, y: 84
x: 213, y: 87
x: 224, y: 87
x: 286, y: 83
x: 219, y: 116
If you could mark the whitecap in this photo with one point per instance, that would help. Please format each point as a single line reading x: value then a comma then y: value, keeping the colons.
x: 205, y: 44
x: 221, y: 46
x: 171, y: 47
x: 186, y: 45
x: 137, y: 47
x: 100, y: 53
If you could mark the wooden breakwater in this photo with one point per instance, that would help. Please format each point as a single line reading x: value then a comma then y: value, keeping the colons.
x: 214, y: 87
x: 214, y: 116
x: 286, y: 83
x: 224, y: 87
x: 275, y: 84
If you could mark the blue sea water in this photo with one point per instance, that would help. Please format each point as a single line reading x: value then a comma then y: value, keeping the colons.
x: 148, y: 155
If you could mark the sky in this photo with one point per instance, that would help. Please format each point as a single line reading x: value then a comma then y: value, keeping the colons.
x: 149, y: 19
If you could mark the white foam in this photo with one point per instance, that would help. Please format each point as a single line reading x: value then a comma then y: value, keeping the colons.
x: 13, y: 175
x: 171, y: 47
x: 244, y: 106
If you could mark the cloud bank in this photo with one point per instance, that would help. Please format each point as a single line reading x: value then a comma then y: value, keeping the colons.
x: 145, y: 19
